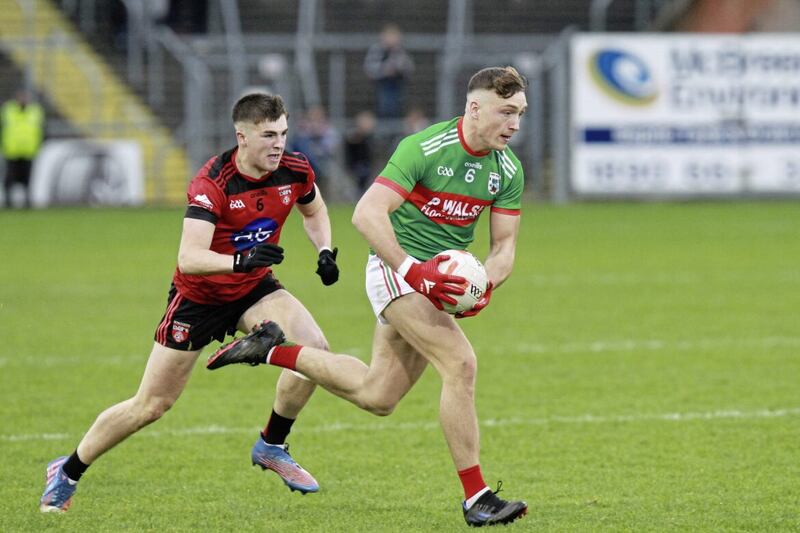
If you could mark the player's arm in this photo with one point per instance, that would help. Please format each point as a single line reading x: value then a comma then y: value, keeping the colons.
x: 317, y: 225
x: 316, y: 222
x: 503, y: 230
x: 371, y: 219
x: 195, y: 255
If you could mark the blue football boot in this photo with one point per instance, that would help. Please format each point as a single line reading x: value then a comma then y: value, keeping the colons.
x: 276, y: 458
x: 58, y: 492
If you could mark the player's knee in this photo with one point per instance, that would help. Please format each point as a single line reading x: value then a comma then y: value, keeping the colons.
x: 153, y: 409
x: 462, y: 369
x: 379, y: 406
x: 313, y: 338
x: 318, y: 342
x: 381, y: 409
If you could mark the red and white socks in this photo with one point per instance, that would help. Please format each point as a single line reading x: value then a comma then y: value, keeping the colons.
x: 284, y: 355
x: 473, y: 483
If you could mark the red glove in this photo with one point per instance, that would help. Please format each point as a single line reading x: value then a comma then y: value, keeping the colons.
x: 480, y: 304
x: 426, y: 279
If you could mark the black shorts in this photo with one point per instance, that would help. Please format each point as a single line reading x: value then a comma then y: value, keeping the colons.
x: 187, y: 325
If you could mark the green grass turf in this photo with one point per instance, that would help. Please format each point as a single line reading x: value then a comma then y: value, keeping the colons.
x: 638, y: 372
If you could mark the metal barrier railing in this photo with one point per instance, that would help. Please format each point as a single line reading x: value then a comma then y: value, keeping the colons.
x: 205, y: 118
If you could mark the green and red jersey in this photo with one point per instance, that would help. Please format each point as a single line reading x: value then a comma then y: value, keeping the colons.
x: 447, y: 186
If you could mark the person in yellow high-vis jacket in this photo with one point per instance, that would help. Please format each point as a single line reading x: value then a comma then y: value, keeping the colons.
x: 21, y: 135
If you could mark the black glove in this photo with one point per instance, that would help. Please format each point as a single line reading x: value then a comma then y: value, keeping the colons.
x: 326, y: 266
x: 261, y: 255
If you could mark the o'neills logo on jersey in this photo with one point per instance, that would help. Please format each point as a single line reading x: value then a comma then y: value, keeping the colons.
x: 447, y: 208
x: 202, y: 200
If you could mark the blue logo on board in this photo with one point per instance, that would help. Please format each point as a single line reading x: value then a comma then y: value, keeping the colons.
x: 256, y: 232
x: 623, y: 76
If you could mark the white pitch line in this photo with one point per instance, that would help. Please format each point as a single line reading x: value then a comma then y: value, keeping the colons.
x: 633, y: 279
x: 722, y: 414
x: 641, y: 345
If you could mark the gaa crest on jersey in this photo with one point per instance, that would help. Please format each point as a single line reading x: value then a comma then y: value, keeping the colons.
x: 180, y: 331
x: 494, y: 182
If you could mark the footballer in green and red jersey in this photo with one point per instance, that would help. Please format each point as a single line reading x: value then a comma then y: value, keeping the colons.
x: 447, y: 186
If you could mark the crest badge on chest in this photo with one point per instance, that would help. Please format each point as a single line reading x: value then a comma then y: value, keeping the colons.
x: 494, y: 182
x: 285, y: 192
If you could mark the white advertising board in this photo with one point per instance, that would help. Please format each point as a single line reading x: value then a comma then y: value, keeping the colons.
x: 685, y: 114
x: 88, y: 172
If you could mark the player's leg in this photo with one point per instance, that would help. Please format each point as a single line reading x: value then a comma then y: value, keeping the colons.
x: 439, y: 339
x: 377, y: 388
x: 164, y: 379
x: 395, y: 367
x: 419, y: 332
x: 182, y: 332
x: 292, y: 390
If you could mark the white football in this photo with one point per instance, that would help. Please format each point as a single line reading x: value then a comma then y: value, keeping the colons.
x: 466, y: 265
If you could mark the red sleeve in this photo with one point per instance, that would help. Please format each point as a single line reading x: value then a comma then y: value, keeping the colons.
x: 205, y: 194
x: 312, y: 178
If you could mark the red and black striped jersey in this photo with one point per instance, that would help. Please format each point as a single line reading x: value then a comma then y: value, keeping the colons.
x: 245, y: 211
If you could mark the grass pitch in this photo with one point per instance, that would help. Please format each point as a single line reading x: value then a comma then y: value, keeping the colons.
x: 640, y: 371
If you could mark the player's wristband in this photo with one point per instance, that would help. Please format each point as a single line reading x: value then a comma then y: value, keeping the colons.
x: 405, y: 265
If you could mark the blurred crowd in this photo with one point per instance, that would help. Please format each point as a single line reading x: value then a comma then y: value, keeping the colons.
x: 352, y: 151
x: 358, y: 152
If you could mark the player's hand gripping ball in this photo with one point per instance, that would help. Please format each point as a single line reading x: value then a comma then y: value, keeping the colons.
x: 466, y: 265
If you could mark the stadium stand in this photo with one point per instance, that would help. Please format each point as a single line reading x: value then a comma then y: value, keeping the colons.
x: 316, y: 50
x: 77, y: 82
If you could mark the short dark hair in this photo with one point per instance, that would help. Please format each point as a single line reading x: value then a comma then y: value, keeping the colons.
x: 505, y: 81
x: 258, y: 107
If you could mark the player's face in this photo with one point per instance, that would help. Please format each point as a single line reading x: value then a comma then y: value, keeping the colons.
x: 261, y: 145
x: 498, y: 119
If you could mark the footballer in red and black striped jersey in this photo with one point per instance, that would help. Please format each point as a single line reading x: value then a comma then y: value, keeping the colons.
x: 238, y: 204
x: 245, y: 212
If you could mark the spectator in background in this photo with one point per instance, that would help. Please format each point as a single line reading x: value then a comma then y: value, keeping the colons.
x: 318, y: 140
x: 390, y: 67
x: 415, y: 121
x: 359, y: 148
x: 22, y: 126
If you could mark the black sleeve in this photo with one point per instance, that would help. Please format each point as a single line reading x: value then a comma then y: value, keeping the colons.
x: 198, y: 212
x: 308, y: 198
